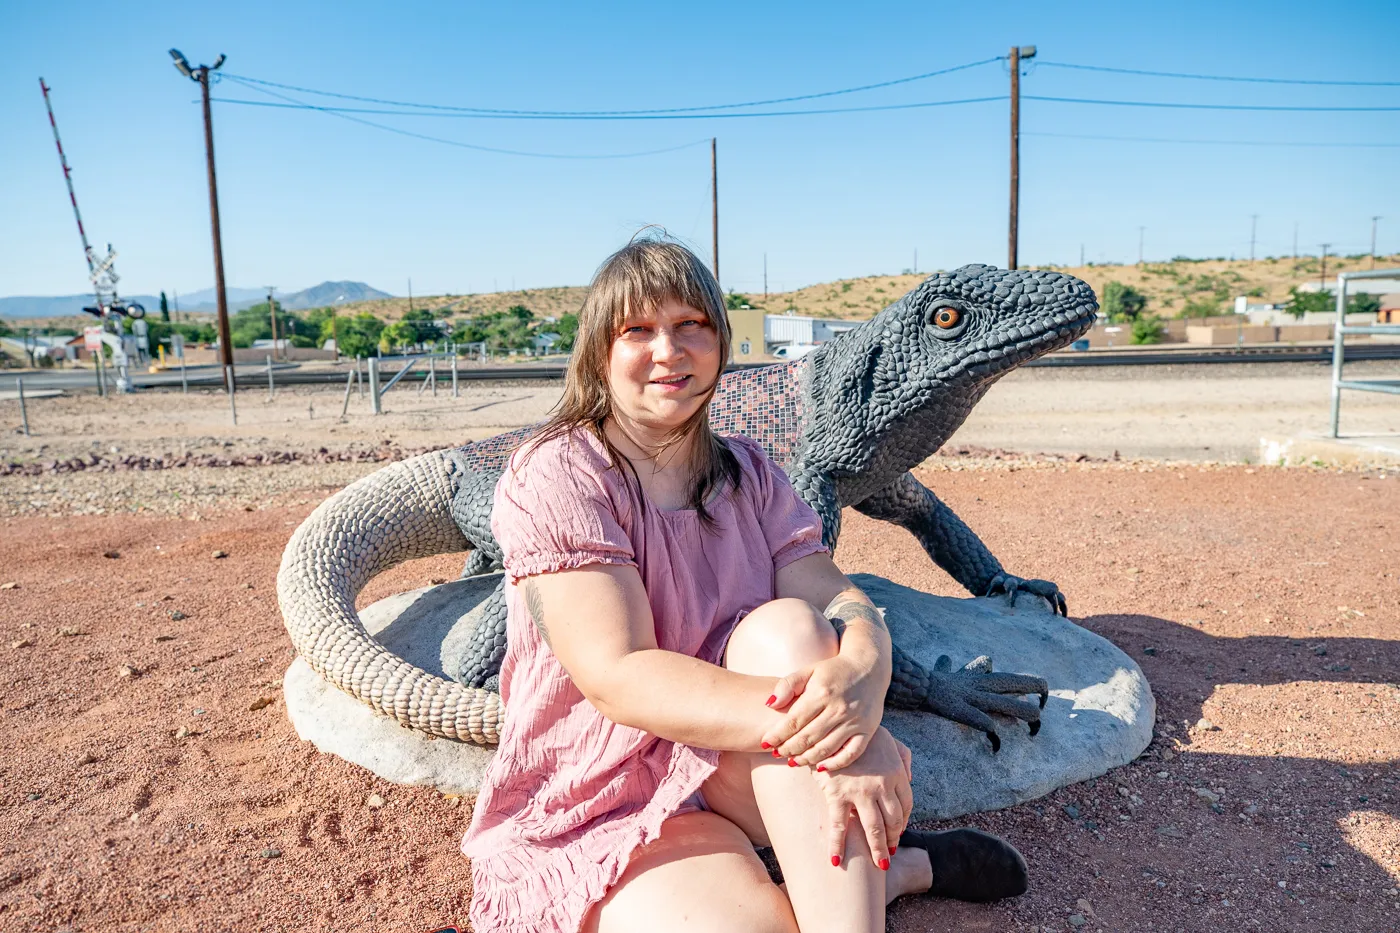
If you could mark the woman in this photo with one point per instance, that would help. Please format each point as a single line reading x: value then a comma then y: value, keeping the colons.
x: 676, y: 696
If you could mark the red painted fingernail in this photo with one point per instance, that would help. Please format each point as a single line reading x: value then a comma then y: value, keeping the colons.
x: 821, y: 767
x: 767, y: 745
x: 892, y: 848
x: 884, y: 864
x: 792, y: 762
x: 771, y: 700
x: 836, y: 861
x: 775, y: 754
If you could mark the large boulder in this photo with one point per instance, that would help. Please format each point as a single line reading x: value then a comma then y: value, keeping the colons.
x: 1100, y: 712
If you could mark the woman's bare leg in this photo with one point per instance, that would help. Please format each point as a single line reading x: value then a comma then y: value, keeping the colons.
x: 699, y: 876
x: 784, y: 807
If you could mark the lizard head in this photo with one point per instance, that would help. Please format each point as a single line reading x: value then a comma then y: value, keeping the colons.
x: 975, y: 324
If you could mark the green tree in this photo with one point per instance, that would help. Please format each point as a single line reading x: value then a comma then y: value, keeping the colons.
x: 1300, y: 303
x: 734, y: 301
x: 567, y: 329
x: 1363, y: 303
x: 4, y: 329
x: 164, y: 308
x: 359, y: 335
x: 1122, y: 302
x: 1148, y: 329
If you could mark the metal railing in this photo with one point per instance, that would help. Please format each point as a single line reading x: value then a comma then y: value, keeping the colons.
x: 1339, y: 333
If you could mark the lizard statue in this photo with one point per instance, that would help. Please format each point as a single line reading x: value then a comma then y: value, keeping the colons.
x: 847, y: 422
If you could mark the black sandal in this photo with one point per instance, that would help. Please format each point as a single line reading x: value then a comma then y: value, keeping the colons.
x: 970, y: 865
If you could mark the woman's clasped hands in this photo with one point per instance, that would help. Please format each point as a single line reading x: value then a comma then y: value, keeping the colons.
x: 830, y: 721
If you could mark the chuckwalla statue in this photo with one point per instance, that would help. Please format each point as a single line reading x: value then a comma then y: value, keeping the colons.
x: 847, y: 422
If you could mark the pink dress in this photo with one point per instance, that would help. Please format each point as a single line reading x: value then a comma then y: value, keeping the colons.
x: 569, y: 794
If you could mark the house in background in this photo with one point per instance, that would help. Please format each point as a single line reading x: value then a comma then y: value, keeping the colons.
x: 757, y: 334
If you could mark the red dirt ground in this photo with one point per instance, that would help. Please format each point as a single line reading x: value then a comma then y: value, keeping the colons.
x: 1263, y: 600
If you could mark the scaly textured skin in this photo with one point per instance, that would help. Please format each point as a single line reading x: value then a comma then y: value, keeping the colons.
x: 847, y: 423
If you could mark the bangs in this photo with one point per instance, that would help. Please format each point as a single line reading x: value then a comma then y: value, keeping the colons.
x: 644, y: 275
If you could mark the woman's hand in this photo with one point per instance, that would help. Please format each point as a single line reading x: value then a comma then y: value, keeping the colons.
x: 830, y: 713
x: 877, y: 791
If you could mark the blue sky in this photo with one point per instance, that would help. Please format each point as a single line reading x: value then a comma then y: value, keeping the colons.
x: 307, y: 197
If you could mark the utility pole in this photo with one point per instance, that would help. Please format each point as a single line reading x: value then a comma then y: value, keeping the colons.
x: 714, y: 202
x: 200, y: 75
x: 1323, y: 277
x: 1017, y: 53
x: 916, y: 261
x: 410, y: 295
x: 1295, y: 242
x: 1253, y: 228
x: 1081, y: 255
x: 1373, y: 240
x: 272, y: 316
x: 765, y: 278
x: 1141, y: 230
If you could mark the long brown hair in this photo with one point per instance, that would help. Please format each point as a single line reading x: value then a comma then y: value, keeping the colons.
x: 643, y: 275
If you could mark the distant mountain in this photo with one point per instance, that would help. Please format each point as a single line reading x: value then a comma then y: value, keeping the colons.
x: 317, y: 296
x: 328, y: 294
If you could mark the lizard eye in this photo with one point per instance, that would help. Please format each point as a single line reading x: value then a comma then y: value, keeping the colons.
x: 947, y: 318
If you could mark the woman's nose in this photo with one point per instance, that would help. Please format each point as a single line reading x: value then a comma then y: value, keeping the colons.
x: 665, y: 345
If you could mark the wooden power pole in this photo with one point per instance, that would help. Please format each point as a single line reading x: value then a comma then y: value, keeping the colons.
x: 714, y: 203
x: 1018, y: 53
x: 200, y: 75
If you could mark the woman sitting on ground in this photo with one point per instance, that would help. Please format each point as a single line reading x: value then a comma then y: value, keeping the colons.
x: 676, y: 689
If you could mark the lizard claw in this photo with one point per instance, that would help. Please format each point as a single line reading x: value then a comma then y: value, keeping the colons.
x: 969, y: 696
x: 1011, y: 585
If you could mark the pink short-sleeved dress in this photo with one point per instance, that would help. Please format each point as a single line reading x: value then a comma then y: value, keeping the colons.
x: 570, y: 794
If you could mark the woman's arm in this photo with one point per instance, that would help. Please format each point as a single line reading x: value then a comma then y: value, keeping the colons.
x: 598, y: 623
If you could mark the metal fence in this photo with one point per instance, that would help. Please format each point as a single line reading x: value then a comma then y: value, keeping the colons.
x: 1340, y: 332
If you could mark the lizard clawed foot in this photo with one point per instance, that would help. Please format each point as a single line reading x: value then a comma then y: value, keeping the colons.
x: 1010, y: 584
x: 968, y: 695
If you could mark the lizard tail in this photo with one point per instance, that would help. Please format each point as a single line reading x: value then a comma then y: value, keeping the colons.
x: 395, y: 514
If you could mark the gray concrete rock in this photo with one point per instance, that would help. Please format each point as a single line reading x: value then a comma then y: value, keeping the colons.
x: 1100, y: 713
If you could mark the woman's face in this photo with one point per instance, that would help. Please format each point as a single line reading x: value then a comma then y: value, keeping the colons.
x: 674, y: 341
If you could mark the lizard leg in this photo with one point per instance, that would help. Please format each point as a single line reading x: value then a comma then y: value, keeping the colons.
x: 952, y: 545
x: 486, y: 649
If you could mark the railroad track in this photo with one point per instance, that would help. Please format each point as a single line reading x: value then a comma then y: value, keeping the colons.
x: 253, y: 376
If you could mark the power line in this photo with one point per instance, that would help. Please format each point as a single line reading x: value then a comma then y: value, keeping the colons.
x: 616, y: 113
x: 1181, y: 106
x: 1216, y: 142
x: 472, y: 146
x: 661, y: 116
x: 1201, y: 77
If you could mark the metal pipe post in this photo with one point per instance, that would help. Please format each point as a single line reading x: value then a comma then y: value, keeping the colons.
x: 1337, y: 353
x: 455, y: 393
x: 270, y: 387
x: 359, y: 378
x: 374, y: 386
x: 432, y: 372
x: 349, y: 378
x: 232, y: 405
x: 23, y: 410
x: 184, y: 383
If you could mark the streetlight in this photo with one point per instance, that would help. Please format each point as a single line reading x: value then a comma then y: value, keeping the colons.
x: 200, y: 76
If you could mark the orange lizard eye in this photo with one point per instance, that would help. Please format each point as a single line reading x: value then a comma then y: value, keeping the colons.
x: 947, y: 318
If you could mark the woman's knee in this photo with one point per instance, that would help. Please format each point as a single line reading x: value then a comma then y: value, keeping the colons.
x: 779, y: 637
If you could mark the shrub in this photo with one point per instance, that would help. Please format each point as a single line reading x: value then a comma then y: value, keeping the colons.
x: 1122, y: 302
x: 1148, y: 329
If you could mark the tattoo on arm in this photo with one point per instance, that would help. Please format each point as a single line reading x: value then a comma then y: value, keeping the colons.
x: 846, y: 608
x: 535, y: 604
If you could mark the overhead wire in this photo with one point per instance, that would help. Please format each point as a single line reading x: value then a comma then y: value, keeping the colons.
x: 473, y: 146
x: 612, y: 117
x: 1216, y: 142
x: 619, y: 113
x: 1204, y: 77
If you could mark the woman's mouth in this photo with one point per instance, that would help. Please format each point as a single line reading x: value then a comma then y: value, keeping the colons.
x: 674, y: 385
